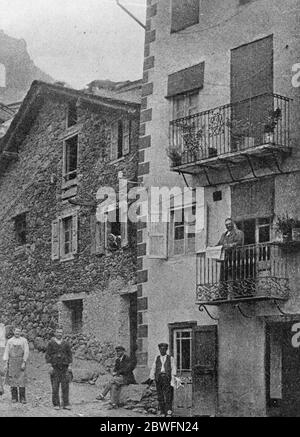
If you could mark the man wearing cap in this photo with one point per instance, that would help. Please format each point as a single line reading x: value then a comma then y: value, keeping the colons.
x: 163, y: 371
x: 122, y: 375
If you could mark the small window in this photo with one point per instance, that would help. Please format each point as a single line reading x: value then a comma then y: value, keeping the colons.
x: 185, y: 13
x: 183, y: 236
x: 183, y: 350
x: 74, y: 315
x: 120, y: 139
x: 72, y: 114
x: 113, y: 230
x: 70, y: 158
x: 67, y: 235
x: 20, y: 228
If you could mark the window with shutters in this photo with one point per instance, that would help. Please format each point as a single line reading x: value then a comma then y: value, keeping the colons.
x: 70, y: 160
x: 110, y: 235
x: 20, y: 229
x: 120, y: 139
x: 183, y: 231
x: 184, y: 13
x: 65, y: 237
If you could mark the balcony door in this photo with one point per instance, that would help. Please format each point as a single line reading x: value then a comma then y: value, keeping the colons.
x: 251, y: 76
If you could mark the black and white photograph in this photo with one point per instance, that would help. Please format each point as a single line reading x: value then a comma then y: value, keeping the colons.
x: 149, y: 211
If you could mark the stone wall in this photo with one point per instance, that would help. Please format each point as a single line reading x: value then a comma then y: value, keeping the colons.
x: 31, y: 284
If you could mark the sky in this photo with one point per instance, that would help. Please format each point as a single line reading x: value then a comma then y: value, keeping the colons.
x: 78, y: 41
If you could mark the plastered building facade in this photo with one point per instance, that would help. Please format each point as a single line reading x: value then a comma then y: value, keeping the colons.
x: 219, y: 91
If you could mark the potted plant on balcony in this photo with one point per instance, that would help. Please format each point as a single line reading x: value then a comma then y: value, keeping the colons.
x: 270, y: 125
x: 175, y: 156
x: 239, y: 132
x: 193, y: 142
x: 296, y: 231
x: 284, y: 226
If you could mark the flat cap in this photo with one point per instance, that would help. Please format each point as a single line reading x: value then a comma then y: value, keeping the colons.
x: 163, y: 345
x: 119, y: 348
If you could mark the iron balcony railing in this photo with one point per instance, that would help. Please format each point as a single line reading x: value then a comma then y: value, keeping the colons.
x: 235, y: 127
x: 256, y: 271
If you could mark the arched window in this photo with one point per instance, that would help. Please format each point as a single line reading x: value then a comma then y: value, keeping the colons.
x: 2, y: 76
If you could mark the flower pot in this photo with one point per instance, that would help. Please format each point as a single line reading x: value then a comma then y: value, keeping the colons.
x: 212, y: 152
x: 268, y: 137
x: 286, y: 237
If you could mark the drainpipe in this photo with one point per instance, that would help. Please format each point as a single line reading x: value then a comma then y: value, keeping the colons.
x: 130, y: 14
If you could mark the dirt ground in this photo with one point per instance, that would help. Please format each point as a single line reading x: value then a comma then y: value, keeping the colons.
x: 82, y: 396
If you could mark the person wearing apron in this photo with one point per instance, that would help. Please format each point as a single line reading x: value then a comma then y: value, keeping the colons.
x: 15, y: 357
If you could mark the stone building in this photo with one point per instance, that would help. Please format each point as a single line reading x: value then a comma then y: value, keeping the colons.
x: 220, y: 114
x: 58, y: 263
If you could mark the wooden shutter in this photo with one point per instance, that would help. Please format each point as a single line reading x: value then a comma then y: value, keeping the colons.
x: 124, y: 233
x: 75, y: 233
x: 126, y: 136
x: 204, y: 374
x: 185, y: 13
x: 114, y: 140
x: 158, y: 239
x: 55, y: 239
x: 186, y: 80
x: 251, y: 75
x: 100, y: 236
x: 252, y: 200
x: 93, y: 225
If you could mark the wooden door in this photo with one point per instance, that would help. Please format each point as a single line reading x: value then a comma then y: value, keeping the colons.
x: 204, y: 371
x: 251, y: 76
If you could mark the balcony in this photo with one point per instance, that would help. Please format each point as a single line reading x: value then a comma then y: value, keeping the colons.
x: 230, y: 134
x: 248, y: 273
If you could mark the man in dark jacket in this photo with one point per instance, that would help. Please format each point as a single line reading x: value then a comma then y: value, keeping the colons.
x: 122, y: 375
x: 59, y: 355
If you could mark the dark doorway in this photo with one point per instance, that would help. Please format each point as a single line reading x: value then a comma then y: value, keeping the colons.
x: 283, y: 369
x: 204, y: 371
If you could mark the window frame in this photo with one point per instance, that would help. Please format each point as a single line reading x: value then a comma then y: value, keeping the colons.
x: 66, y: 181
x: 58, y: 236
x: 120, y: 138
x: 172, y: 229
x: 181, y: 330
x: 258, y: 226
x: 187, y: 107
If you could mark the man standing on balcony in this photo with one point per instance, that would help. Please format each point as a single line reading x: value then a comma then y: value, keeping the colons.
x: 230, y: 268
x: 233, y: 237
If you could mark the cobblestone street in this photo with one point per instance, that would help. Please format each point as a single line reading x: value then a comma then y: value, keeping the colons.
x: 39, y: 397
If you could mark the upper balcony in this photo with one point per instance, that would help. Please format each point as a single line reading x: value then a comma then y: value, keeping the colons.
x: 248, y: 273
x: 230, y: 134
